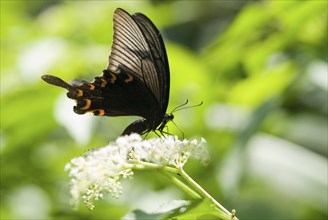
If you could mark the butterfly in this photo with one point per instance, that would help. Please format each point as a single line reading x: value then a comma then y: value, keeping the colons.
x: 136, y: 81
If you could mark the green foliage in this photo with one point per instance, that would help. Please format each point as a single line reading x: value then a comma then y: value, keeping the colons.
x: 260, y: 67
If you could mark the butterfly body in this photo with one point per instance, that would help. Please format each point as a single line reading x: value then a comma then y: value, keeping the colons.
x: 136, y: 81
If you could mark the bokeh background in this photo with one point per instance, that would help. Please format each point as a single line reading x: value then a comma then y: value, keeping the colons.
x: 260, y: 67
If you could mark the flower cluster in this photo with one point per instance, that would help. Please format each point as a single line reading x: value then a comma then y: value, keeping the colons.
x: 101, y: 170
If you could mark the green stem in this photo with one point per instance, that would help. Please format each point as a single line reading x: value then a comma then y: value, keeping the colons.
x: 141, y: 165
x: 205, y: 194
x: 183, y: 186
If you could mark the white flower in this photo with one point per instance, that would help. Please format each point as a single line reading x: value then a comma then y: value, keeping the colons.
x: 101, y: 170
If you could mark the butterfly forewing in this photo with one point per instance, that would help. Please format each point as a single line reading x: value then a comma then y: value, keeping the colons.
x: 158, y: 54
x: 135, y: 39
x: 127, y: 47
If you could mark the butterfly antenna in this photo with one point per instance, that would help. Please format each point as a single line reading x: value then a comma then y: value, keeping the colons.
x: 180, y: 107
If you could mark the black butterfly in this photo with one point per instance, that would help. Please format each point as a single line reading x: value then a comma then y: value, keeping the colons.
x: 136, y: 81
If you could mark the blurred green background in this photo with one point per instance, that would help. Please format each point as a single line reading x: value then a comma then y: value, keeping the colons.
x: 259, y: 66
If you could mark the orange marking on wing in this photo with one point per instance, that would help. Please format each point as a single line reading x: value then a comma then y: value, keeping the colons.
x: 79, y: 93
x: 128, y: 79
x: 101, y: 112
x: 98, y: 112
x: 103, y: 83
x: 113, y: 79
x: 87, y: 104
x: 91, y: 87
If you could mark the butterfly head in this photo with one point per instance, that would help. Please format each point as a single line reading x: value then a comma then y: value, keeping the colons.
x: 168, y: 117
